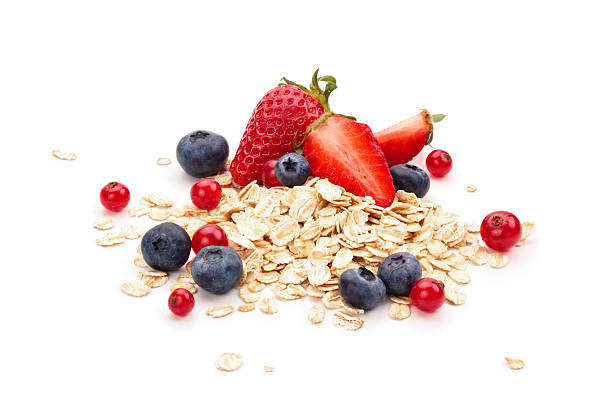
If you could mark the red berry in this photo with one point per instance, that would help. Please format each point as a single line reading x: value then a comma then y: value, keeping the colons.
x: 209, y: 234
x: 115, y: 196
x: 206, y: 194
x: 500, y: 230
x: 181, y: 302
x: 268, y: 175
x: 439, y: 163
x: 427, y: 295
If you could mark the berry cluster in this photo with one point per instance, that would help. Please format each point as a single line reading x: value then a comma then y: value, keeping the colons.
x: 291, y: 135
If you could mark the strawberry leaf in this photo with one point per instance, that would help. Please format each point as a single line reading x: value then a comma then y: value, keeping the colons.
x: 314, y: 85
x: 327, y: 78
x: 288, y: 82
x: 329, y: 88
x: 437, y: 117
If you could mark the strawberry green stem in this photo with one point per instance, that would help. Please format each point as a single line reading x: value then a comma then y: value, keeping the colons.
x: 315, y: 89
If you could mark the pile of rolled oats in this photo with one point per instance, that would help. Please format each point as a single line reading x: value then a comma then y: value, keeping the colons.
x: 298, y: 241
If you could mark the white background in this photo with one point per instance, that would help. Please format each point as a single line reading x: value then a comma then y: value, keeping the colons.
x: 526, y: 86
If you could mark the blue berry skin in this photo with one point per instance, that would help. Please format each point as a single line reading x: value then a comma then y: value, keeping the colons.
x: 217, y: 269
x: 166, y: 247
x: 292, y: 170
x: 202, y: 153
x: 399, y: 272
x: 361, y: 288
x: 411, y: 179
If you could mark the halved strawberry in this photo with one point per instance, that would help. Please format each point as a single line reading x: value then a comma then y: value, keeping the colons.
x: 346, y: 153
x: 404, y: 140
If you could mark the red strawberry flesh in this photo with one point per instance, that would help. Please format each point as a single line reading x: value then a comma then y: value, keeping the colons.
x: 347, y: 154
x: 404, y: 140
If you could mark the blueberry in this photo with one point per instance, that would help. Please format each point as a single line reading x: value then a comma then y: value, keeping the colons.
x: 399, y: 272
x: 360, y: 288
x: 217, y: 269
x: 410, y: 178
x: 166, y: 247
x: 292, y: 170
x: 202, y: 153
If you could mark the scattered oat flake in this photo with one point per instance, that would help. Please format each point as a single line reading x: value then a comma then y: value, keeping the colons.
x: 268, y: 369
x: 515, y: 363
x: 163, y: 161
x: 351, y: 310
x: 224, y: 179
x: 453, y: 294
x: 268, y: 305
x: 403, y: 300
x: 498, y: 260
x: 159, y: 214
x: 399, y: 311
x: 267, y: 277
x: 155, y: 281
x: 184, y: 285
x: 472, y: 228
x: 63, y: 155
x: 131, y: 231
x: 229, y: 362
x: 144, y: 274
x: 139, y: 211
x: 328, y: 191
x: 347, y: 322
x: 527, y: 227
x: 319, y: 275
x: 436, y: 248
x: 157, y: 200
x: 110, y: 239
x: 104, y: 225
x: 316, y: 314
x: 470, y: 188
x: 343, y: 257
x: 460, y: 276
x: 246, y: 307
x: 256, y: 286
x: 219, y: 311
x: 136, y: 289
x: 249, y: 296
x: 140, y: 262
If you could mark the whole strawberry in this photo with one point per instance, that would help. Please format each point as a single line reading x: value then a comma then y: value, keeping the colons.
x: 281, y: 117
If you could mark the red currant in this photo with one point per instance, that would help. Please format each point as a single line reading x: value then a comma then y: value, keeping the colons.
x: 427, y: 295
x: 206, y: 194
x: 115, y: 196
x: 209, y: 234
x: 268, y: 174
x: 439, y: 163
x: 181, y: 302
x: 500, y: 230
